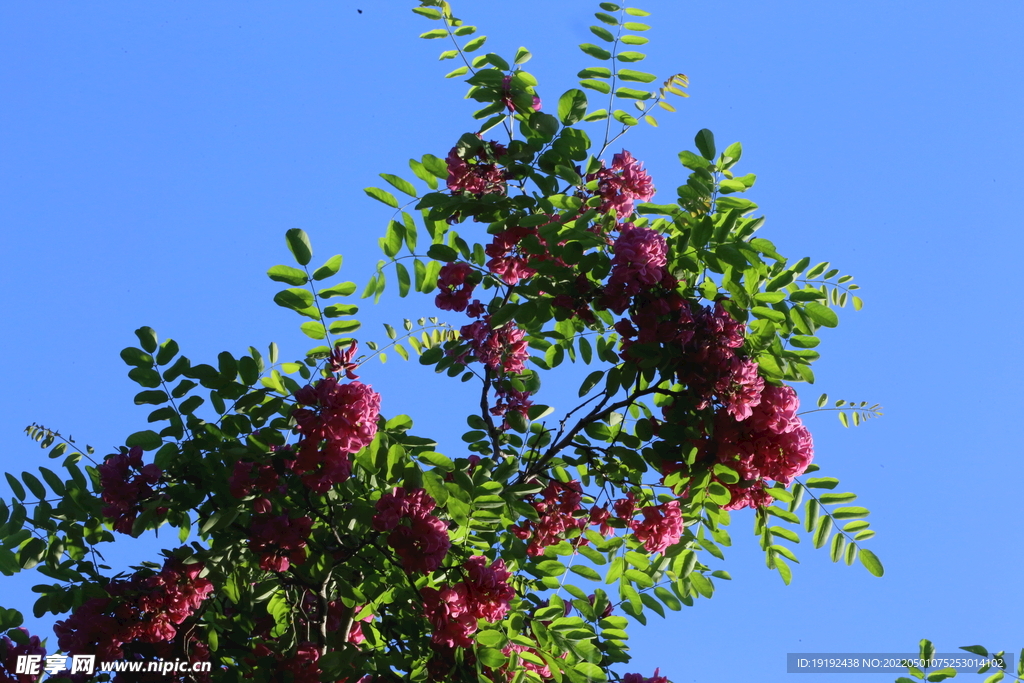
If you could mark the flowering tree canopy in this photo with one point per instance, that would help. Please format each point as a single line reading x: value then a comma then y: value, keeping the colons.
x: 319, y: 540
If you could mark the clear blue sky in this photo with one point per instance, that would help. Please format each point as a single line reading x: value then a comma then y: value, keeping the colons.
x: 153, y: 154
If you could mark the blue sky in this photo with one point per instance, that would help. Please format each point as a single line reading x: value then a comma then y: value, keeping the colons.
x: 153, y: 154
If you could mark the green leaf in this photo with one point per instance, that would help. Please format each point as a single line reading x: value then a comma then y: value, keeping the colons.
x: 147, y: 338
x: 602, y: 33
x: 767, y: 313
x: 635, y: 40
x: 734, y: 151
x: 490, y: 657
x: 705, y: 141
x: 154, y: 398
x: 822, y: 483
x: 145, y: 377
x: 637, y: 76
x: 53, y: 481
x: 136, y: 357
x: 438, y: 460
x: 975, y: 649
x: 442, y: 252
x: 623, y: 117
x: 850, y: 513
x: 572, y: 106
x: 835, y: 498
x: 632, y: 94
x: 871, y: 562
x: 168, y: 350
x: 343, y: 289
x: 148, y: 440
x: 522, y: 56
x: 288, y: 275
x: 399, y: 184
x: 838, y: 545
x: 784, y: 570
x: 585, y: 572
x: 692, y: 161
x: 475, y: 44
x: 595, y: 51
x: 381, y: 196
x: 599, y: 86
x: 328, y: 269
x: 823, y: 315
x: 590, y: 382
x: 298, y: 244
x: 403, y: 279
x: 702, y: 584
x: 34, y: 485
x: 590, y: 672
x: 595, y: 72
x: 428, y: 12
x: 294, y: 298
x: 32, y: 553
x: 803, y: 341
x: 822, y: 533
x: 314, y: 330
x: 630, y: 56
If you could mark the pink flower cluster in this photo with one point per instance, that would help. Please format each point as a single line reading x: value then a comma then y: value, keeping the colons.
x: 9, y: 653
x: 126, y: 482
x: 704, y: 345
x: 345, y: 423
x: 454, y: 290
x: 508, y: 260
x: 453, y: 610
x: 577, y: 300
x: 557, y: 508
x: 771, y: 443
x: 623, y: 184
x: 304, y: 665
x: 504, y: 349
x: 478, y: 174
x: 638, y: 264
x: 279, y: 541
x: 147, y: 609
x: 423, y: 542
x: 516, y: 250
x: 250, y: 476
x: 637, y: 678
x: 487, y: 588
x: 661, y: 527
